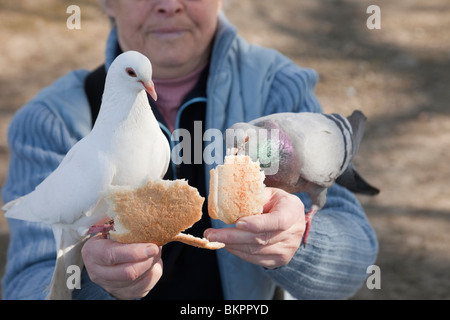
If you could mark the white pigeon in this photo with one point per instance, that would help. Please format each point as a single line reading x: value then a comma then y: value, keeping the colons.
x: 308, y: 154
x: 125, y: 147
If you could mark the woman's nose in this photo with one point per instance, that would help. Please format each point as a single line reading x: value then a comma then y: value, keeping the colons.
x: 169, y: 7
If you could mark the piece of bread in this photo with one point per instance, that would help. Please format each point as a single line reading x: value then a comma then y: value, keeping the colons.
x: 235, y: 189
x: 156, y: 212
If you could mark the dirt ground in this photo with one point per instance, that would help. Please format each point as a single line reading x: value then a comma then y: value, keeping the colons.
x: 399, y: 76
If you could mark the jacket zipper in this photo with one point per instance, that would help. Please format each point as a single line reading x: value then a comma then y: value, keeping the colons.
x: 176, y: 168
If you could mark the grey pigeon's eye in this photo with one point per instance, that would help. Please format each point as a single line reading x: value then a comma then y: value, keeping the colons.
x: 131, y: 72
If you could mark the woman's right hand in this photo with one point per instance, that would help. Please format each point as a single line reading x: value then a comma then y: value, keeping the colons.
x: 126, y: 271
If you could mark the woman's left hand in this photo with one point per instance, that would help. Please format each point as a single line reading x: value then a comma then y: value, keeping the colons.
x: 269, y: 239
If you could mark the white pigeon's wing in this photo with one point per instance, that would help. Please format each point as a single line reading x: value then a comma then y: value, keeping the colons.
x: 165, y: 155
x: 68, y: 192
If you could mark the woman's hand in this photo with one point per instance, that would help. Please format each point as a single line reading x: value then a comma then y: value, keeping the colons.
x: 270, y: 239
x: 126, y: 271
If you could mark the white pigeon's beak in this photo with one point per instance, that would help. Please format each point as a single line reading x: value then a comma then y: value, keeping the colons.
x: 150, y: 88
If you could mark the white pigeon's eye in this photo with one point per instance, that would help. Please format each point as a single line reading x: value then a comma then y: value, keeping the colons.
x: 131, y: 72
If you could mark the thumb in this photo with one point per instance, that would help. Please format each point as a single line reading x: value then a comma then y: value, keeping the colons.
x: 270, y: 198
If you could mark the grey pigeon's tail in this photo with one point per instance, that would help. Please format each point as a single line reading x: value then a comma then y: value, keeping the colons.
x: 350, y: 178
x: 353, y: 181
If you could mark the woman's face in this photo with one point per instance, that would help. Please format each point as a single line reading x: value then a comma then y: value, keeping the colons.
x: 176, y: 35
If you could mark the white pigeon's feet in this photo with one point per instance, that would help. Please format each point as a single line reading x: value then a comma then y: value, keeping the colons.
x: 104, y: 228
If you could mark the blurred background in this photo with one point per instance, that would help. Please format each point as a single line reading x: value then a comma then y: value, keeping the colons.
x: 399, y: 76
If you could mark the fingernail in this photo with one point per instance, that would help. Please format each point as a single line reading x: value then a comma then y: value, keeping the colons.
x: 206, y: 233
x: 241, y: 225
x: 151, y: 251
x: 211, y: 236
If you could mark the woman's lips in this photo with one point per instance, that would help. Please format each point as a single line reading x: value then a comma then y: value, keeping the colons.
x: 168, y: 33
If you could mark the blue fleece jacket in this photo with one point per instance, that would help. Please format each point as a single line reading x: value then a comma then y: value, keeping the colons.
x: 245, y: 82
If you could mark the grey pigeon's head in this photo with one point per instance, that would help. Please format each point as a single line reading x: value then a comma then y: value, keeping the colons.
x: 259, y: 143
x: 132, y: 71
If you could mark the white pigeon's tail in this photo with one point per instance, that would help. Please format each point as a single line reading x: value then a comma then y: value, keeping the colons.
x: 69, y: 263
x: 20, y: 209
x: 8, y: 206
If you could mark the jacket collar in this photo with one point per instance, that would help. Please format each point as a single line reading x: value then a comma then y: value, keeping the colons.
x: 112, y: 48
x: 225, y: 35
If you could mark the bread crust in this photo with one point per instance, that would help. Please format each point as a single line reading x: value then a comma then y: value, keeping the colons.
x: 156, y: 212
x: 235, y: 189
x: 197, y: 242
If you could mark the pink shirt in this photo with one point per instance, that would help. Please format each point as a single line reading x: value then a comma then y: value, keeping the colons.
x: 172, y: 92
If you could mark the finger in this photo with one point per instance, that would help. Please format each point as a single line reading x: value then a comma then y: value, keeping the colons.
x: 130, y: 253
x: 104, y: 260
x: 126, y: 272
x: 285, y: 211
x: 273, y: 197
x: 107, y: 252
x: 149, y: 279
x: 270, y: 256
x: 231, y: 236
x: 268, y: 194
x: 266, y: 222
x: 266, y: 260
x: 140, y: 287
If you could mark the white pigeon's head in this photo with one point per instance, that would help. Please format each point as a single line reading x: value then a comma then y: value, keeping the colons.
x: 134, y: 71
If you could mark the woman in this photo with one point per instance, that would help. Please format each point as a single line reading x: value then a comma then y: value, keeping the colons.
x: 203, y: 71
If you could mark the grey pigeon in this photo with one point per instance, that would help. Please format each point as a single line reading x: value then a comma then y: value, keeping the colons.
x: 125, y: 147
x: 304, y: 152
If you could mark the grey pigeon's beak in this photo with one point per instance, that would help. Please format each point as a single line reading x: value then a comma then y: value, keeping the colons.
x: 150, y: 88
x: 236, y: 150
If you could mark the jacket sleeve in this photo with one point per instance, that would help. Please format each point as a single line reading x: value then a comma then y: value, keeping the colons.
x: 292, y: 90
x: 38, y: 141
x: 342, y: 243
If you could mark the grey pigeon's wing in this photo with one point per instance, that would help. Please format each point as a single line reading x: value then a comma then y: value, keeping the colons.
x: 68, y: 192
x: 320, y: 144
x: 358, y: 122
